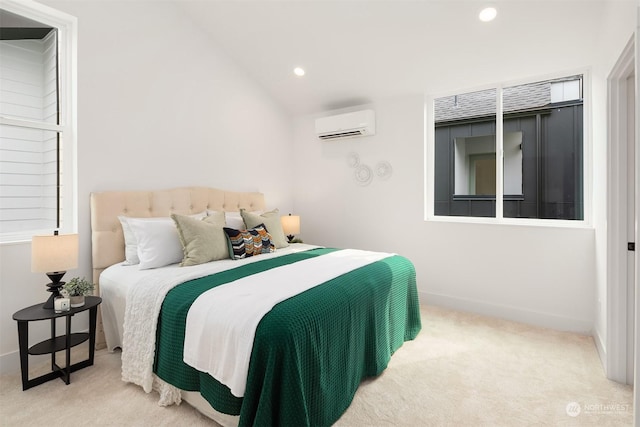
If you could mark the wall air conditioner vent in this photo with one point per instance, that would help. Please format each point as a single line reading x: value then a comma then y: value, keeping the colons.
x: 341, y: 134
x: 348, y: 125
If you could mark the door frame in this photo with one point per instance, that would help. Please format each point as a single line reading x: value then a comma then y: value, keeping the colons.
x: 617, y: 310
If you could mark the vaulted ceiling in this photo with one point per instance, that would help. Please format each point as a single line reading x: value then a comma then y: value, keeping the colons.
x: 357, y: 51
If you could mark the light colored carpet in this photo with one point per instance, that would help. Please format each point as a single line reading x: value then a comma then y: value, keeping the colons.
x: 462, y: 370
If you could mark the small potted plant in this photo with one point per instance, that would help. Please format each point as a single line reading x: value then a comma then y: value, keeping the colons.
x: 76, y: 289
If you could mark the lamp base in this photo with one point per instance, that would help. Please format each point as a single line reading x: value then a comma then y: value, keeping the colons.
x: 54, y: 288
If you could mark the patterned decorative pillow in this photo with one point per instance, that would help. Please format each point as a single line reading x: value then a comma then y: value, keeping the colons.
x: 247, y: 243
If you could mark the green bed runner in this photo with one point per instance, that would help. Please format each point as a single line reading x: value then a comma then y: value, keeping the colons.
x: 310, y: 351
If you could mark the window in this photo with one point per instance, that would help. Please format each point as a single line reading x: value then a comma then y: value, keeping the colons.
x: 521, y: 160
x: 37, y: 121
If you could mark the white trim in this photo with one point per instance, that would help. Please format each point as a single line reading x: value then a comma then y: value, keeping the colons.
x: 587, y: 173
x: 636, y: 359
x: 600, y: 346
x: 511, y: 313
x: 429, y: 158
x: 67, y: 26
x: 38, y: 12
x: 617, y: 313
x: 587, y: 148
x: 523, y: 222
x: 69, y: 85
x: 499, y: 144
x: 4, y: 120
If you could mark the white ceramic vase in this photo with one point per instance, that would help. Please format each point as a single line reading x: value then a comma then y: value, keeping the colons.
x: 77, y: 301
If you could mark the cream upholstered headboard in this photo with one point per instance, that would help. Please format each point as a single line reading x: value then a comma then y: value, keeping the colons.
x: 107, y: 240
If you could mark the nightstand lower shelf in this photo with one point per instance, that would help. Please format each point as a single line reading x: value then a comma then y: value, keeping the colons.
x: 58, y: 344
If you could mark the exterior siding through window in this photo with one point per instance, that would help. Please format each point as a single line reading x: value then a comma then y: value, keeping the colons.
x: 551, y: 134
x: 29, y: 156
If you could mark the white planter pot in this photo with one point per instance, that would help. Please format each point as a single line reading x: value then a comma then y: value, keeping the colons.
x: 77, y: 301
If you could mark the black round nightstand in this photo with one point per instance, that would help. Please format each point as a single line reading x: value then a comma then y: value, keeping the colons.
x: 55, y: 343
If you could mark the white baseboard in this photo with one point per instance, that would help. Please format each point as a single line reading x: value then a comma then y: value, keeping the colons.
x: 545, y: 320
x: 602, y: 349
x: 10, y: 363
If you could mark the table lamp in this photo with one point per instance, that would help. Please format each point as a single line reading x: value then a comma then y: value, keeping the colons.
x: 290, y: 225
x: 54, y: 255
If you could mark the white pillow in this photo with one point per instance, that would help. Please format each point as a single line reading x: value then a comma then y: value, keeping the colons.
x: 234, y: 219
x: 130, y: 245
x: 130, y: 241
x: 158, y: 242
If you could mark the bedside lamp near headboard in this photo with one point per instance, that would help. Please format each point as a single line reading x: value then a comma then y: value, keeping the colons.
x: 290, y: 226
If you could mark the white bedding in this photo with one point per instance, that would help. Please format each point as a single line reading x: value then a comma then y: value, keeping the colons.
x: 236, y: 309
x: 115, y: 282
x: 132, y: 302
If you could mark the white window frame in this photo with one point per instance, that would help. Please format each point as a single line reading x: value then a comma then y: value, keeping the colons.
x: 587, y: 167
x: 67, y: 26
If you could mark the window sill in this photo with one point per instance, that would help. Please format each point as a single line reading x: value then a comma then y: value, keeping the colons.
x: 519, y: 222
x: 20, y: 237
x: 14, y: 241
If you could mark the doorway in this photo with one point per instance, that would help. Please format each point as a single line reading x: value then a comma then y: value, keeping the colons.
x: 631, y: 224
x: 621, y: 214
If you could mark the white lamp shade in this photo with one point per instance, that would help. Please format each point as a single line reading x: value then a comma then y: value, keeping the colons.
x: 54, y: 253
x: 290, y: 224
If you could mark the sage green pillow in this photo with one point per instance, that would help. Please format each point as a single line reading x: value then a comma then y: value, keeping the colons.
x: 202, y: 240
x: 271, y: 221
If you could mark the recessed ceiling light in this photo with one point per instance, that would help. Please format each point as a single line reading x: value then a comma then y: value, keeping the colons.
x: 488, y: 14
x: 298, y: 71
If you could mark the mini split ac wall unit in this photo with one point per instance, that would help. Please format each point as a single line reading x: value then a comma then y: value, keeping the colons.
x: 348, y: 125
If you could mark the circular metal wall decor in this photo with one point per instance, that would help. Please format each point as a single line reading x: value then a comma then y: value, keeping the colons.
x: 384, y: 170
x: 353, y: 159
x: 363, y: 175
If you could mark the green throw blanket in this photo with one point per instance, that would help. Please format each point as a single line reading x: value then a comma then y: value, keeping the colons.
x: 310, y: 351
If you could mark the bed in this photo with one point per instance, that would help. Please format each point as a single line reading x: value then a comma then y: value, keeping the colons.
x: 309, y: 348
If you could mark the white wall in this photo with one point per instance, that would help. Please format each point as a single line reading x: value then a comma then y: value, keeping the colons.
x: 159, y: 106
x: 538, y: 275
